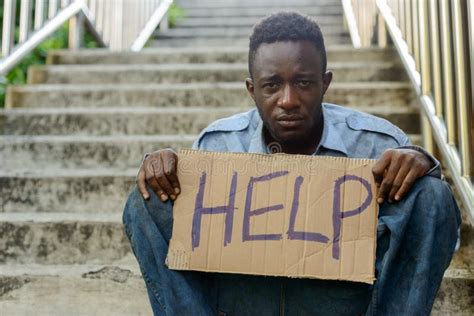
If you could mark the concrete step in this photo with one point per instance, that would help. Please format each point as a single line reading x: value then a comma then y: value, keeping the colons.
x: 148, y: 121
x: 19, y: 279
x: 213, y: 54
x: 159, y: 42
x: 184, y: 73
x: 74, y: 190
x: 245, y: 21
x: 190, y: 4
x: 167, y: 42
x: 396, y: 94
x: 261, y: 11
x: 66, y: 238
x: 233, y: 31
x: 57, y: 290
x: 55, y: 152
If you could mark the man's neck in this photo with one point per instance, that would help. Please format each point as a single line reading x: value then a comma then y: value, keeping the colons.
x: 306, y: 146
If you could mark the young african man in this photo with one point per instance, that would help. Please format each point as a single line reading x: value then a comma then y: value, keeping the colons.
x: 418, y: 218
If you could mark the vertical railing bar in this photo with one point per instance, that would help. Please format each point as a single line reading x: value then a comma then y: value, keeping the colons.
x: 408, y: 26
x: 25, y: 18
x: 39, y: 14
x: 424, y: 60
x: 53, y: 8
x: 435, y: 50
x: 471, y: 58
x: 424, y: 51
x: 381, y: 31
x: 416, y: 35
x: 76, y: 31
x: 8, y: 34
x: 447, y: 72
x: 463, y: 113
x: 401, y: 4
x: 106, y: 17
x: 98, y: 17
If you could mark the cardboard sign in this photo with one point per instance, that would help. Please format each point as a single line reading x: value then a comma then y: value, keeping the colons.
x: 280, y: 215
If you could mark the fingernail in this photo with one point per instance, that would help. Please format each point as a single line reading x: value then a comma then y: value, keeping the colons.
x: 146, y: 196
x: 397, y: 197
x: 380, y: 200
x: 173, y: 197
x: 176, y: 190
x: 163, y: 197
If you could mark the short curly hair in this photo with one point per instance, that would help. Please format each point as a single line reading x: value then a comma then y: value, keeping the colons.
x: 283, y: 27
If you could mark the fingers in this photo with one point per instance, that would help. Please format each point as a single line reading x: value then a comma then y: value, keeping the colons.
x: 158, y: 171
x: 159, y: 175
x: 380, y: 166
x: 170, y: 163
x: 407, y: 184
x: 399, y: 169
x: 142, y: 184
x: 398, y: 182
x: 388, y: 180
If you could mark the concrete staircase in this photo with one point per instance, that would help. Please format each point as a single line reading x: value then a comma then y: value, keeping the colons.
x: 73, y: 138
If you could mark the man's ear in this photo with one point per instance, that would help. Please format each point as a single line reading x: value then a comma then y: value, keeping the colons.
x: 250, y: 87
x: 327, y: 78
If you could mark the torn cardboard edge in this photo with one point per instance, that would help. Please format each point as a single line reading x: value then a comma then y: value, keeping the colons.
x: 276, y: 215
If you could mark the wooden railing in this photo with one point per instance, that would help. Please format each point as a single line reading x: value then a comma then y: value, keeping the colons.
x: 435, y: 42
x: 116, y: 24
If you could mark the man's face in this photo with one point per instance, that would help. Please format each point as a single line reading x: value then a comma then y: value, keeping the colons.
x: 288, y: 87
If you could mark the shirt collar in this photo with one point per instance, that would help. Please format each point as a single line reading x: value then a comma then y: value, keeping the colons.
x: 257, y: 142
x: 331, y: 138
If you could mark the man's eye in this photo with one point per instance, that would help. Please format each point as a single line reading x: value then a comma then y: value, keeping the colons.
x: 304, y: 83
x: 270, y: 85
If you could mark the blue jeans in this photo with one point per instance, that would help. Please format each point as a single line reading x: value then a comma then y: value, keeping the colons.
x: 416, y: 240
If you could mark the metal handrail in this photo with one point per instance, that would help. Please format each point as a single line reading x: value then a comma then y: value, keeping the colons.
x: 117, y: 24
x: 435, y: 42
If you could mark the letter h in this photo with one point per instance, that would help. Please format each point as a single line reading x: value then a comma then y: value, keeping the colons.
x: 199, y: 210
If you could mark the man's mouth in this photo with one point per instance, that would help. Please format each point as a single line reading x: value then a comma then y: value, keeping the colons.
x: 289, y: 121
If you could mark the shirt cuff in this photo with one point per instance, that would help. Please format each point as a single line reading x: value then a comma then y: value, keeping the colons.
x: 435, y: 170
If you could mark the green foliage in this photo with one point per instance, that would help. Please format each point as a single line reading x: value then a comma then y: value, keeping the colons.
x: 175, y: 14
x: 58, y: 40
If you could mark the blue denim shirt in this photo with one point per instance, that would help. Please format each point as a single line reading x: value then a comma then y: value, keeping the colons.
x: 346, y: 133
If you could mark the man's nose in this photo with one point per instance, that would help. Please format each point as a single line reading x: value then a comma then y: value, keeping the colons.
x: 288, y: 97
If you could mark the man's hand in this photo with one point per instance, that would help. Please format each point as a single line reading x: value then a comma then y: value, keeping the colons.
x: 397, y: 170
x: 158, y: 171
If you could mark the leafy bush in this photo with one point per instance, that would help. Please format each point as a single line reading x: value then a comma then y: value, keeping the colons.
x: 175, y: 14
x: 58, y: 40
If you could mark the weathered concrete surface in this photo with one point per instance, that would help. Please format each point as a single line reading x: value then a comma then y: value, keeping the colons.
x: 73, y: 290
x: 228, y: 41
x: 59, y: 152
x: 84, y: 191
x: 149, y: 121
x: 203, y: 54
x: 232, y: 31
x: 334, y: 9
x: 244, y: 21
x: 397, y: 94
x: 62, y: 240
x: 189, y: 4
x: 185, y: 73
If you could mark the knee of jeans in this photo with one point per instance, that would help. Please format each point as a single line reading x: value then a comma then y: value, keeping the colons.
x: 134, y: 201
x: 434, y: 198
